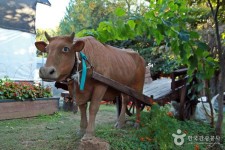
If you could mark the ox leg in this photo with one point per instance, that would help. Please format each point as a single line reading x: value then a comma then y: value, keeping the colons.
x: 138, y: 116
x: 83, y: 122
x: 97, y: 96
x: 121, y: 120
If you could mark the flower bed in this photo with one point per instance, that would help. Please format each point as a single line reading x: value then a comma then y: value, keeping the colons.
x: 22, y: 90
x: 24, y: 99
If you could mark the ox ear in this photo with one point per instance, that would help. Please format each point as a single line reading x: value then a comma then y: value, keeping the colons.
x: 40, y: 45
x: 78, y: 45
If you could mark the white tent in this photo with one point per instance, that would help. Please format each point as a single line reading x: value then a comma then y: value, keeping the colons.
x: 17, y: 37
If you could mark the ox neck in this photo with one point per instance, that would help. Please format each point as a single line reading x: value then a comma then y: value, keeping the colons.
x: 80, y: 58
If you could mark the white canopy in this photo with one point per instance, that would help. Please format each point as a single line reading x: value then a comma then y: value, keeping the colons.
x: 17, y: 54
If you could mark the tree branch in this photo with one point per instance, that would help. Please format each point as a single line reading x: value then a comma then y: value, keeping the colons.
x: 217, y: 9
x: 211, y: 7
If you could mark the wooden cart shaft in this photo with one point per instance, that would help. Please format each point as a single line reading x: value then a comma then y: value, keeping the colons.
x: 172, y: 92
x: 122, y: 88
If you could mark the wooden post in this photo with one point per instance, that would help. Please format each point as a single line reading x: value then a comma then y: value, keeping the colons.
x: 182, y: 102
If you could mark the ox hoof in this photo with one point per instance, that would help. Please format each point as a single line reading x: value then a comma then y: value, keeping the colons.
x: 136, y: 125
x: 80, y: 133
x: 130, y: 123
x: 119, y: 125
x: 87, y: 137
x: 75, y: 109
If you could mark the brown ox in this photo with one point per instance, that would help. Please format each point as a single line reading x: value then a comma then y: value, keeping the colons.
x: 125, y: 66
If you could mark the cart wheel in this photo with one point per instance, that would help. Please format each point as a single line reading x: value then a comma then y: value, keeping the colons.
x: 131, y: 108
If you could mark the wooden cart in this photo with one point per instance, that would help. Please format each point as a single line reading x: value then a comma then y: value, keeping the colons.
x: 160, y: 91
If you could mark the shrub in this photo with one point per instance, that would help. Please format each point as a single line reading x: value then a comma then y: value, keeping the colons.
x: 159, y: 124
x: 157, y: 128
x: 22, y: 90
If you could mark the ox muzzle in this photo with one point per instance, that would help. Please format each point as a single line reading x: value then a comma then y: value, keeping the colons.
x: 48, y: 73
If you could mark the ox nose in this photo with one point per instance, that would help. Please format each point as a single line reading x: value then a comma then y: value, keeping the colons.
x: 52, y: 71
x: 47, y: 72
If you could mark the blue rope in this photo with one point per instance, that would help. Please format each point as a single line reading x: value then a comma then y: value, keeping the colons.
x: 84, y: 71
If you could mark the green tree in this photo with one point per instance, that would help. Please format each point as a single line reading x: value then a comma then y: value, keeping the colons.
x: 87, y: 14
x: 166, y: 22
x: 40, y: 35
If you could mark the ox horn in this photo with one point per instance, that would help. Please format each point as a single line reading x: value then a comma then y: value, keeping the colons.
x: 47, y: 36
x: 72, y: 36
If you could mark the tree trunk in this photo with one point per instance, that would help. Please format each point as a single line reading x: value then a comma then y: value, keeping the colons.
x: 220, y: 100
x: 128, y: 7
x: 222, y: 68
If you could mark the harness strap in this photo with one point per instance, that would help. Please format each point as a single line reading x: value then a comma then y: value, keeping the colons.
x: 84, y: 70
x: 75, y: 73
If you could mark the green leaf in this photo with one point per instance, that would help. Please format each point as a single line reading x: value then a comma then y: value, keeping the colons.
x: 149, y: 15
x: 202, y: 45
x: 166, y: 22
x: 200, y: 87
x: 131, y: 23
x: 193, y: 62
x: 194, y: 35
x: 199, y: 52
x: 205, y: 54
x: 120, y: 12
x: 160, y: 28
x: 184, y: 36
x: 211, y: 62
x: 158, y: 36
x: 209, y: 73
x: 199, y: 75
x: 184, y: 50
x: 175, y: 46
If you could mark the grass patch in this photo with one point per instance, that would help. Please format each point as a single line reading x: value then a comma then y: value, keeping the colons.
x: 156, y: 133
x: 58, y: 131
x: 48, y: 132
x: 42, y: 132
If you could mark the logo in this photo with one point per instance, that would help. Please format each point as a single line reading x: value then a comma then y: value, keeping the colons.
x: 178, y: 138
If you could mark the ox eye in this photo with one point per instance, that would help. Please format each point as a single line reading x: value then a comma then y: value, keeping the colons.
x: 65, y: 49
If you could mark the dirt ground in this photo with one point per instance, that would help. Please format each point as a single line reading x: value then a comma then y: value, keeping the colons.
x: 56, y: 132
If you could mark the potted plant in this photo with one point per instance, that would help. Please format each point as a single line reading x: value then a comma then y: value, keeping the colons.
x: 25, y: 99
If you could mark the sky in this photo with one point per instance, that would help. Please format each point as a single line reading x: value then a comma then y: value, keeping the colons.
x: 48, y: 17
